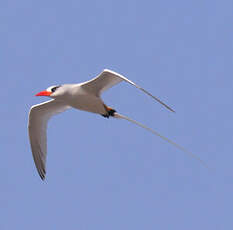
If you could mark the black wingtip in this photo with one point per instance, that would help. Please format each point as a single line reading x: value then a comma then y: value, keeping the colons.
x: 172, y: 110
x: 157, y: 99
x: 42, y: 175
x: 169, y: 108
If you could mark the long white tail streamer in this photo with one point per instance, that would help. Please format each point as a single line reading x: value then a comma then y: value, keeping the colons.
x: 117, y: 115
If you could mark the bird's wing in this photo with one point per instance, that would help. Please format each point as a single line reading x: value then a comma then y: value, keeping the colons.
x: 37, y: 125
x: 107, y: 79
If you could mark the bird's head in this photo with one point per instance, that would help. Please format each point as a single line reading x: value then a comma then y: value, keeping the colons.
x: 52, y: 91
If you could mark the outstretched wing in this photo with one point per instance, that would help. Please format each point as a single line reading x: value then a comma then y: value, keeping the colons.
x: 107, y: 79
x: 37, y: 130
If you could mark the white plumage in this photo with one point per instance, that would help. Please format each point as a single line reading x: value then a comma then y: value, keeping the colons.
x: 84, y: 96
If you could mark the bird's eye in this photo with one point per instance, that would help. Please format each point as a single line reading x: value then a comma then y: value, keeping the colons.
x: 55, y: 88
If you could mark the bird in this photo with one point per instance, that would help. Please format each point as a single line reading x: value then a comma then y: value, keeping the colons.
x: 84, y: 96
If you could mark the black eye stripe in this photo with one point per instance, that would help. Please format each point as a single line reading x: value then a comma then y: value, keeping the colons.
x: 54, y: 88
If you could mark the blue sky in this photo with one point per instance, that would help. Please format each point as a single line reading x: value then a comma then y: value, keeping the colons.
x: 109, y: 174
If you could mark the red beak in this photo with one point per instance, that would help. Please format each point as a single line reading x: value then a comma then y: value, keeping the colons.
x: 43, y: 93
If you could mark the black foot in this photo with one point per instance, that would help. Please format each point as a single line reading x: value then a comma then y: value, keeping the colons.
x: 110, y: 113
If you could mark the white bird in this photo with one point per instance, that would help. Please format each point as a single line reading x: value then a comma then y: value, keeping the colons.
x: 83, y: 96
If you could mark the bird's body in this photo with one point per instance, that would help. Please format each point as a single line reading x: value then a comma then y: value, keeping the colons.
x: 84, y: 96
x: 76, y: 96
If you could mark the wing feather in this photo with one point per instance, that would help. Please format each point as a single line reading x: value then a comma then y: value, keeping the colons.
x: 37, y: 130
x: 108, y: 79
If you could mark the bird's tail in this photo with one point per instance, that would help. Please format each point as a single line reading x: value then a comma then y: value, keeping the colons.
x: 117, y: 115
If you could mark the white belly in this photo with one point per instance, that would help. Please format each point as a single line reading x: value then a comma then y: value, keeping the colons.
x: 87, y: 102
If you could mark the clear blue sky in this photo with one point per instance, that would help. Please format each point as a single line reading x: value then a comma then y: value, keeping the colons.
x: 109, y: 174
